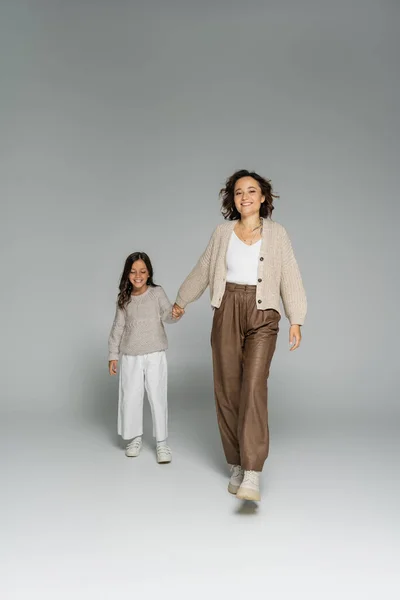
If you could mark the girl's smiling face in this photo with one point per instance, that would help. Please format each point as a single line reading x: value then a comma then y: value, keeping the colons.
x: 139, y: 276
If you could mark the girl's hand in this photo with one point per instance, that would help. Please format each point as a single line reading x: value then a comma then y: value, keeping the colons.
x: 112, y: 367
x: 294, y: 337
x: 177, y: 311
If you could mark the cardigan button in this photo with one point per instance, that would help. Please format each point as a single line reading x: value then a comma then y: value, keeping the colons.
x: 261, y: 258
x: 259, y: 301
x: 260, y: 280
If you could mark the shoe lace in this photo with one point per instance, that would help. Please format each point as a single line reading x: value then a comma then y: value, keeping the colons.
x: 134, y: 444
x: 236, y: 470
x: 163, y: 450
x: 251, y: 477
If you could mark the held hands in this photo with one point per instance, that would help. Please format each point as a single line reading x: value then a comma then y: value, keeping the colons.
x: 112, y: 367
x: 294, y: 337
x: 177, y: 311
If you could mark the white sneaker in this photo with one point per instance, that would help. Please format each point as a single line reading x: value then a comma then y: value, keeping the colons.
x: 164, y: 454
x: 250, y: 487
x: 134, y: 447
x: 236, y: 479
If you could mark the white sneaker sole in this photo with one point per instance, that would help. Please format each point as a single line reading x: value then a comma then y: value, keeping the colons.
x: 233, y: 489
x: 248, y: 494
x: 164, y: 461
x: 132, y: 455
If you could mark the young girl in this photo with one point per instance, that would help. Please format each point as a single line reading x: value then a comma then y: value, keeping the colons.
x: 138, y: 334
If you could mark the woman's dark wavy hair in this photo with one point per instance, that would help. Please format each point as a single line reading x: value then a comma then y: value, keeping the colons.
x: 228, y: 207
x: 125, y: 286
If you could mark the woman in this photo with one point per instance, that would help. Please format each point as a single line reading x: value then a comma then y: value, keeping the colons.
x: 249, y: 264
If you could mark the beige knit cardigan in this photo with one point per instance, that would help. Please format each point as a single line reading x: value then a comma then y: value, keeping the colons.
x: 278, y: 272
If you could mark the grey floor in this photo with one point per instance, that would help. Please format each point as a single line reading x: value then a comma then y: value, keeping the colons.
x: 82, y: 521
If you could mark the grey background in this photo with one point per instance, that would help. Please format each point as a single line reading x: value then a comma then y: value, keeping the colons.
x: 120, y: 122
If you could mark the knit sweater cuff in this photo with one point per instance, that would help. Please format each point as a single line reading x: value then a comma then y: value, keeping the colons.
x: 113, y: 356
x: 296, y: 320
x: 180, y: 302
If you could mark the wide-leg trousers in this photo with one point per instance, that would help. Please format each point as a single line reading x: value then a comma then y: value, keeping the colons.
x: 137, y: 374
x: 243, y: 343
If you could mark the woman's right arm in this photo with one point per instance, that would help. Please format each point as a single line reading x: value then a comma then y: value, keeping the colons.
x: 117, y: 330
x: 198, y: 279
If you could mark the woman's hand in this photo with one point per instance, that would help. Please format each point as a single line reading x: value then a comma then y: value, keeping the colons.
x: 177, y: 311
x: 112, y: 367
x: 294, y: 337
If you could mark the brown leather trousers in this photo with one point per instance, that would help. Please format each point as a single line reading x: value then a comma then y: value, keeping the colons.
x: 243, y: 341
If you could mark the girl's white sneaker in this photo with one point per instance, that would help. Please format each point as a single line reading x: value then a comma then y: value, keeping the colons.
x: 250, y: 487
x: 236, y: 479
x: 134, y: 447
x: 164, y: 454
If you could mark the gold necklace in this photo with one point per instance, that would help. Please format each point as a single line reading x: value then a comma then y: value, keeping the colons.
x: 251, y: 241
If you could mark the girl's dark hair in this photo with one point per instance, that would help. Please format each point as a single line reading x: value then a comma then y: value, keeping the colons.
x: 125, y: 286
x: 228, y: 207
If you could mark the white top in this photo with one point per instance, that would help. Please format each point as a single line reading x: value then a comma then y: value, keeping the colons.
x: 242, y: 261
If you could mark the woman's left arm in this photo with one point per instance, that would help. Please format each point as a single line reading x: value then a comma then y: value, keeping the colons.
x: 292, y: 290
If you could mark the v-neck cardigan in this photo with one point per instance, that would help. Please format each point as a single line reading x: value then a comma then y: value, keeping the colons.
x: 278, y: 274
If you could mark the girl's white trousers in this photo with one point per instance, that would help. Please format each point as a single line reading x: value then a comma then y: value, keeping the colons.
x: 137, y: 374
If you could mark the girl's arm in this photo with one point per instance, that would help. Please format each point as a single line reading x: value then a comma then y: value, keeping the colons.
x: 292, y: 290
x: 198, y: 279
x: 116, y: 332
x: 165, y: 307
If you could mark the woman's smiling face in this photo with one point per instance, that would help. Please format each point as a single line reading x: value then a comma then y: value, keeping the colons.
x: 248, y: 196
